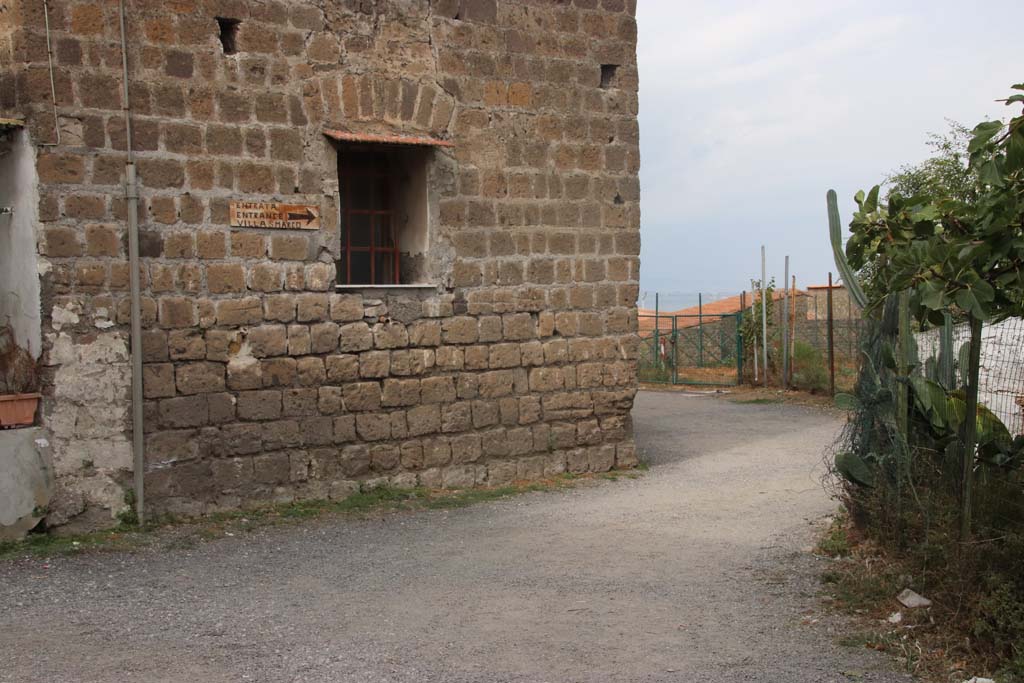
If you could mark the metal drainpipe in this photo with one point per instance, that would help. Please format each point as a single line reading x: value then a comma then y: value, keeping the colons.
x: 131, y: 193
x: 53, y: 87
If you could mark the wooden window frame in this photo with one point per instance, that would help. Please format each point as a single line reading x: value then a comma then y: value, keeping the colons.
x: 346, y: 173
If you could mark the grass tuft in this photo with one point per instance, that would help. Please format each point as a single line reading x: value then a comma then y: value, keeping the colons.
x: 863, y: 580
x: 170, y: 533
x: 835, y: 542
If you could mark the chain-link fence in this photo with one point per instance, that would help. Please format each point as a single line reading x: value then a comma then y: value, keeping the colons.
x: 697, y: 344
x: 900, y: 458
x: 1001, y: 377
x: 716, y: 339
x: 808, y: 349
x: 811, y: 337
x: 682, y: 349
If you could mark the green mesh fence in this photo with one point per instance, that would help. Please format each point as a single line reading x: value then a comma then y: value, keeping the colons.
x: 690, y: 349
x: 898, y: 460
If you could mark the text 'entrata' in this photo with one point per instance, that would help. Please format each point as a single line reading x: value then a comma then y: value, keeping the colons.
x: 275, y: 215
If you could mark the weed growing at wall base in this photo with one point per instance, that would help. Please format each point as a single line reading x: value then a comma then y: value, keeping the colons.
x: 170, y: 533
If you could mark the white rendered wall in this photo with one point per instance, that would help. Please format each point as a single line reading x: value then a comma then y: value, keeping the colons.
x: 1001, y: 380
x: 19, y: 277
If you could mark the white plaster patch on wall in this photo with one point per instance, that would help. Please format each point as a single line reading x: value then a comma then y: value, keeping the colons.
x: 242, y: 360
x: 101, y: 319
x: 26, y: 480
x: 64, y: 315
x: 19, y: 279
x: 88, y: 416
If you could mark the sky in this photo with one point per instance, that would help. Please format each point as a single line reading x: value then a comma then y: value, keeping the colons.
x: 751, y: 111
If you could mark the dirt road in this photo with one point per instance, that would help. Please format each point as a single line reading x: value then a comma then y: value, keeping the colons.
x: 693, y: 572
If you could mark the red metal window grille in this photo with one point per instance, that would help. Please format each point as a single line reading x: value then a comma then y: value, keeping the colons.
x: 369, y: 247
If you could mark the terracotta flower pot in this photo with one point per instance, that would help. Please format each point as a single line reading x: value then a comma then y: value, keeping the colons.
x: 18, y: 410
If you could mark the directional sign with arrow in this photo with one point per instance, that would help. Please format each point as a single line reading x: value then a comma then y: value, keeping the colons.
x: 275, y: 215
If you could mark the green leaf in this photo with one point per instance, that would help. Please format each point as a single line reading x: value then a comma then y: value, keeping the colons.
x: 933, y: 402
x: 936, y: 317
x: 982, y: 133
x: 984, y: 291
x: 968, y: 300
x: 1015, y: 149
x: 990, y: 428
x: 887, y: 356
x: 926, y: 212
x: 922, y: 392
x: 871, y: 203
x: 933, y: 295
x: 965, y: 252
x: 854, y: 469
x: 989, y: 174
x: 1007, y: 279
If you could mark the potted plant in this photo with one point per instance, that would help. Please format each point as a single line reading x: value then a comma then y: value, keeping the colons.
x: 18, y: 382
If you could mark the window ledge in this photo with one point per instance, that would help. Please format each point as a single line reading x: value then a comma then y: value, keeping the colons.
x: 380, y: 287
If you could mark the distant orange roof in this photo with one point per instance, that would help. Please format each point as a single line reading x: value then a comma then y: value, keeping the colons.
x: 691, y: 317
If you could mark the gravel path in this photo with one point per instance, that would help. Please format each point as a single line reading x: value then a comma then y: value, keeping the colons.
x: 694, y: 572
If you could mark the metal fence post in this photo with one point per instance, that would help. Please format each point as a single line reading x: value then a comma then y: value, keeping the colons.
x: 764, y: 318
x: 675, y: 351
x: 946, y: 352
x: 753, y: 342
x: 831, y: 342
x: 722, y: 341
x: 792, y: 334
x: 739, y: 347
x: 739, y: 331
x: 785, y: 330
x: 656, y: 350
x: 903, y: 359
x: 700, y: 330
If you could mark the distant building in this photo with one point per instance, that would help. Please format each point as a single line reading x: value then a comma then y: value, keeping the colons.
x: 843, y: 306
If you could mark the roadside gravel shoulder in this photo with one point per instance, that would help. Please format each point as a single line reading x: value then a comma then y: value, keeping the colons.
x: 698, y: 570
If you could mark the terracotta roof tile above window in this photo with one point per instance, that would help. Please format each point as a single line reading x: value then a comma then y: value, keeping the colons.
x: 346, y: 136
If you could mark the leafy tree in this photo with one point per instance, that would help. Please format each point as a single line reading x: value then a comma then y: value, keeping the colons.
x: 957, y: 244
x: 751, y: 331
x: 951, y: 250
x: 947, y: 173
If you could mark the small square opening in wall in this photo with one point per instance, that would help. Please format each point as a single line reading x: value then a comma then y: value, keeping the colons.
x: 228, y: 34
x: 608, y: 72
x: 384, y: 214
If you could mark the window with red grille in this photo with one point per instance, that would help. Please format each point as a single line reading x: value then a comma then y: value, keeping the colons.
x: 369, y: 245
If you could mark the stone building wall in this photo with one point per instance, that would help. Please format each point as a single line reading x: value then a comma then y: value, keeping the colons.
x: 261, y: 380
